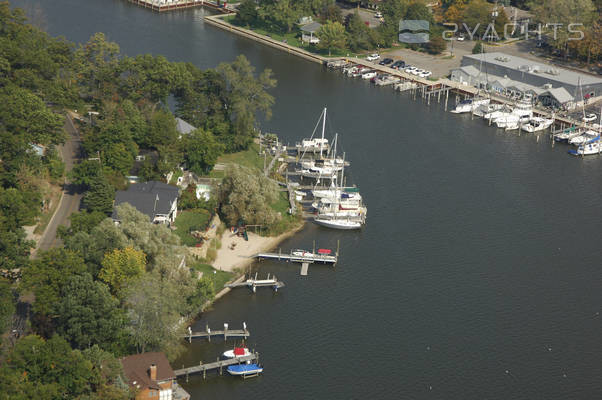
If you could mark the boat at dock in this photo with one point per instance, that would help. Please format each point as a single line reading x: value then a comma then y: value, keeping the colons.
x: 594, y: 146
x: 487, y: 109
x: 468, y: 105
x: 339, y: 223
x: 521, y: 113
x: 536, y: 124
x: 237, y: 352
x: 386, y: 80
x: 583, y: 138
x: 245, y: 370
x: 568, y: 133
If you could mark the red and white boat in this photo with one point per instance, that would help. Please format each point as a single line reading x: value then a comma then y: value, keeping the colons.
x: 237, y: 352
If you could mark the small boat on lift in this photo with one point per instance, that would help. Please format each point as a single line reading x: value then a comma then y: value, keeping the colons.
x: 245, y: 370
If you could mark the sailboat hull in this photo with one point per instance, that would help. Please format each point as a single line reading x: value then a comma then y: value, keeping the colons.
x: 338, y: 224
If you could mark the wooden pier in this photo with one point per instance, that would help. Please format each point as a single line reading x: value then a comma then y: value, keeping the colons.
x: 225, y: 333
x: 254, y: 283
x: 218, y: 365
x: 309, y: 258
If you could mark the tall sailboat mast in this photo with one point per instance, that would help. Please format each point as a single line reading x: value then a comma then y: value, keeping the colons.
x: 323, y: 129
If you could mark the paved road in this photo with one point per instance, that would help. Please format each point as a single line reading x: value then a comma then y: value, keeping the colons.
x: 70, y: 200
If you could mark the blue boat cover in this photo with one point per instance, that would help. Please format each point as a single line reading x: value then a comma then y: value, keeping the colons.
x: 244, y: 368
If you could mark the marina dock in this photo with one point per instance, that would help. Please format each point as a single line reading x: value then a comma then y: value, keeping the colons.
x: 217, y: 366
x: 161, y: 6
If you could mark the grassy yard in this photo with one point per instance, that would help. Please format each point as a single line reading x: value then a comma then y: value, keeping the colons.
x: 293, y: 39
x: 219, y: 278
x: 191, y: 220
x: 249, y: 158
x: 287, y: 221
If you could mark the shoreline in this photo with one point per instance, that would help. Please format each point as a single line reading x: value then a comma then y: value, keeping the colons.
x: 238, y: 270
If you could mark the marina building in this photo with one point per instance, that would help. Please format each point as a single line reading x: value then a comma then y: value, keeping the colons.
x: 514, y: 76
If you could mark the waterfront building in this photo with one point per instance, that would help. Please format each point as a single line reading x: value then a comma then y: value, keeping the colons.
x: 514, y: 76
x: 152, y: 377
x: 308, y: 31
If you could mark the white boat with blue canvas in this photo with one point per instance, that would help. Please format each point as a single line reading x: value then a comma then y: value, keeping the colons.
x: 245, y: 369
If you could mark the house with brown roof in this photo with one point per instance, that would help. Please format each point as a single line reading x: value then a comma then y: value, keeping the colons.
x: 151, y: 376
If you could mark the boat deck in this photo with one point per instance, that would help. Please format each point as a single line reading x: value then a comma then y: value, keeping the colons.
x: 217, y: 365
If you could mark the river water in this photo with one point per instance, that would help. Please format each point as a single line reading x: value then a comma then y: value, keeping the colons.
x: 477, y: 275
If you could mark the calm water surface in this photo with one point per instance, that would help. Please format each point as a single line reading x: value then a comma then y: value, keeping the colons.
x: 477, y: 275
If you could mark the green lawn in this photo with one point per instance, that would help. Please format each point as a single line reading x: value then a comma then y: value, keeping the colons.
x: 191, y: 220
x: 287, y: 221
x: 249, y: 158
x: 219, y: 278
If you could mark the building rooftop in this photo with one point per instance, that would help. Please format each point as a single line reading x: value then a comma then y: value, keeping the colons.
x: 541, y: 69
x: 312, y: 27
x: 183, y: 127
x: 150, y: 198
x: 136, y: 369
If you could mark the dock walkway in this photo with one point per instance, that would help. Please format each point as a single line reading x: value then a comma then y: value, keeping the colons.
x: 225, y: 333
x: 309, y: 258
x: 217, y: 365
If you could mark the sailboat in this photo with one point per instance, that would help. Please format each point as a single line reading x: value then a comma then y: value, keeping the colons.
x: 314, y: 145
x: 340, y: 211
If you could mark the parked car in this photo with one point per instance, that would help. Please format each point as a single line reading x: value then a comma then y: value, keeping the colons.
x: 373, y: 57
x: 461, y: 37
x: 425, y: 74
x: 416, y: 71
x: 399, y: 64
x: 378, y: 14
x: 386, y: 61
x: 409, y: 69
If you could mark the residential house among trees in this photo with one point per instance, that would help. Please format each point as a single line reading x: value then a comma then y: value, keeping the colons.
x: 156, y: 199
x: 151, y: 376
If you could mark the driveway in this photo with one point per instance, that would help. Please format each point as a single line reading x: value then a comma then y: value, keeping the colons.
x: 70, y: 200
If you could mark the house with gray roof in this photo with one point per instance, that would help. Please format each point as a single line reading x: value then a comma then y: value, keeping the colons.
x: 183, y: 127
x: 308, y: 31
x: 158, y: 200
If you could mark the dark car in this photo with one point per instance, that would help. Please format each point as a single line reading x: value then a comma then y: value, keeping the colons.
x: 386, y: 61
x: 398, y: 64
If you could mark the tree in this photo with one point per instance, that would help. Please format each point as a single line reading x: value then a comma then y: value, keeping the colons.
x: 244, y: 96
x: 202, y: 151
x: 419, y: 11
x: 332, y: 12
x: 436, y: 45
x: 7, y: 306
x: 14, y: 248
x: 154, y: 308
x: 247, y: 197
x: 332, y: 36
x: 247, y: 13
x: 100, y: 197
x: 121, y: 267
x: 478, y: 48
x: 50, y: 369
x: 162, y: 129
x: 563, y: 12
x: 87, y: 314
x: 86, y: 173
x: 48, y: 275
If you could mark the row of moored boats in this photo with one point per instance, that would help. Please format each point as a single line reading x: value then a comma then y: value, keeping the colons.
x: 335, y: 205
x: 520, y: 116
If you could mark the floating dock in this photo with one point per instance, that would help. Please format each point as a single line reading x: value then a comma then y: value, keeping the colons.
x: 217, y: 365
x: 308, y: 257
x: 225, y: 333
x: 254, y: 283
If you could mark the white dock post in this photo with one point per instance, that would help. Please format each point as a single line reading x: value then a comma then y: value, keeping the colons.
x: 304, y: 268
x: 189, y: 335
x: 225, y: 331
x: 208, y: 333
